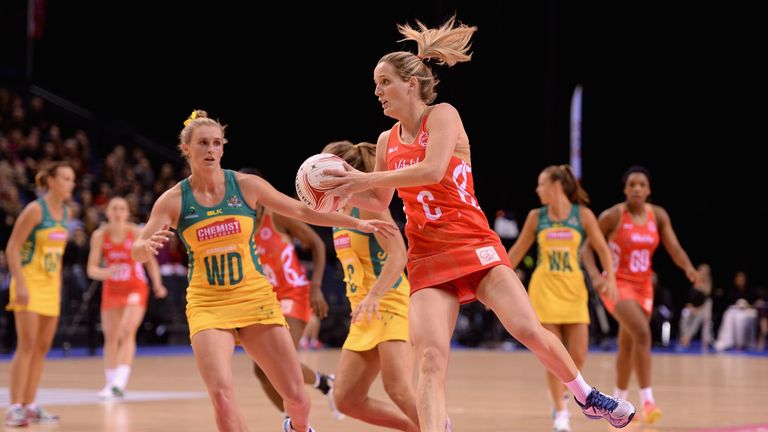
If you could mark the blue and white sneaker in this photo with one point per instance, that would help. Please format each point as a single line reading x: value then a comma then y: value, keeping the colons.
x: 599, y: 405
x: 288, y: 428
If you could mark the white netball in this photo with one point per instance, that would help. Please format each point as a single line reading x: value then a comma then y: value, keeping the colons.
x: 308, y: 183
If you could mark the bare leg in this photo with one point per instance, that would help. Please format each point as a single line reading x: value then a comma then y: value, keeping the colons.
x: 396, y: 371
x: 213, y: 351
x: 432, y: 319
x: 296, y: 328
x: 635, y: 324
x: 555, y: 386
x: 358, y: 371
x: 46, y: 330
x: 502, y: 291
x: 281, y: 365
x: 110, y: 325
x: 624, y: 359
x: 27, y: 330
x: 129, y: 326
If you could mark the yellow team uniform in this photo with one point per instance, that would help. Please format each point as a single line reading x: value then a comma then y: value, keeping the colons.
x: 227, y: 288
x: 41, y: 256
x: 362, y: 259
x: 557, y: 289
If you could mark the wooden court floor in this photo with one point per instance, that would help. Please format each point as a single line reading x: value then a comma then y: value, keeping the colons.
x: 487, y: 392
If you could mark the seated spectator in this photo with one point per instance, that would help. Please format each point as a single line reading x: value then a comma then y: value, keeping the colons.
x: 737, y: 329
x: 697, y: 312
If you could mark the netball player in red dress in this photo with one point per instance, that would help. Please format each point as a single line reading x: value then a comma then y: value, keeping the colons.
x: 454, y: 257
x: 634, y: 229
x: 124, y: 292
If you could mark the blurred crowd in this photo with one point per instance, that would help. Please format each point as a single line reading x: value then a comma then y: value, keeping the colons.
x: 32, y: 132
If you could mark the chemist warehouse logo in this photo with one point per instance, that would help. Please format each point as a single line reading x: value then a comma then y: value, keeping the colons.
x: 224, y: 228
x: 342, y: 242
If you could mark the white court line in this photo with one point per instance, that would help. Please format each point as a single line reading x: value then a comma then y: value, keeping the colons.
x: 78, y: 396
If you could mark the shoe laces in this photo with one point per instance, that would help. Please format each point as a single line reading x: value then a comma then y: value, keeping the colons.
x: 600, y: 401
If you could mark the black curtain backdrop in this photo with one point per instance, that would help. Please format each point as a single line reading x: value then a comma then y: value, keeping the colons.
x: 675, y: 87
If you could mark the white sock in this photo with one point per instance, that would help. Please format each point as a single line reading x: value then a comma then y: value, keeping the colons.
x: 109, y: 375
x: 317, y: 380
x: 562, y: 414
x: 122, y: 374
x: 646, y: 395
x: 15, y: 406
x: 620, y: 393
x: 579, y: 388
x: 32, y: 406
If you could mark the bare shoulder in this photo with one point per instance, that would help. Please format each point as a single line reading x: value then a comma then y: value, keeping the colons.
x: 34, y: 209
x: 444, y: 110
x: 248, y: 179
x: 169, y: 202
x: 612, y: 213
x: 171, y: 194
x: 249, y: 183
x: 659, y: 213
x: 383, y: 138
x: 98, y: 234
x: 534, y: 214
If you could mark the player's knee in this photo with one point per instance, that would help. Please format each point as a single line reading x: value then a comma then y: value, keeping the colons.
x: 642, y: 336
x: 346, y: 401
x: 222, y: 397
x: 529, y: 334
x: 432, y: 360
x: 398, y: 391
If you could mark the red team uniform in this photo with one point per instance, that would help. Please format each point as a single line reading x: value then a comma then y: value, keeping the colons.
x: 450, y: 244
x: 283, y: 270
x: 128, y: 285
x: 633, y: 247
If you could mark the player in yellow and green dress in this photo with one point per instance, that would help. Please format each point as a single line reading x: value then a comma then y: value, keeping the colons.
x: 378, y: 292
x: 557, y: 289
x: 34, y: 252
x: 229, y: 300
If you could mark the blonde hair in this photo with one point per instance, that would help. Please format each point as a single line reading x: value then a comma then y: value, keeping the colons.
x: 448, y: 44
x: 195, y: 120
x: 361, y: 156
x: 571, y: 187
x: 49, y: 170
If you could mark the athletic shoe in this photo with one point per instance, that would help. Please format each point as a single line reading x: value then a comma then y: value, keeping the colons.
x: 41, y: 416
x: 16, y: 417
x: 651, y: 413
x: 287, y: 426
x: 599, y: 405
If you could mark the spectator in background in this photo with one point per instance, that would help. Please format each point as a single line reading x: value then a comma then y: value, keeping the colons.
x: 697, y: 312
x: 762, y: 318
x: 737, y: 329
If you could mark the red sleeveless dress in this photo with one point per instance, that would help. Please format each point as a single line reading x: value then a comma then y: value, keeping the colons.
x: 128, y: 285
x: 450, y: 244
x: 283, y: 270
